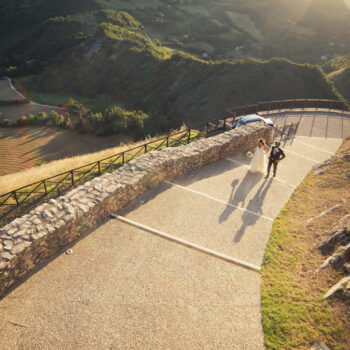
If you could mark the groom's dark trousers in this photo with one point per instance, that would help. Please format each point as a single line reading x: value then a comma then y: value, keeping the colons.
x: 276, y: 155
x: 274, y: 163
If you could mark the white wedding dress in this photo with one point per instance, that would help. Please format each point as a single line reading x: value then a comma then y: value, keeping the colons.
x: 259, y: 161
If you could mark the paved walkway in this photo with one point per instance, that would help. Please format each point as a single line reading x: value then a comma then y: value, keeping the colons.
x: 125, y: 287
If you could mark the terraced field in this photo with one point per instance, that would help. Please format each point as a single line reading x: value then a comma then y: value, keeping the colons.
x: 23, y: 148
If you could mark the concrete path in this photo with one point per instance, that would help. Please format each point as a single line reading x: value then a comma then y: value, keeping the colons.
x: 129, y: 288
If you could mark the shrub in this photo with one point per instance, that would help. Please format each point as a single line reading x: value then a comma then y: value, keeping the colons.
x: 4, y: 122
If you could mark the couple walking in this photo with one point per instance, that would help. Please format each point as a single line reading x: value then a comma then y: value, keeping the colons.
x: 259, y: 161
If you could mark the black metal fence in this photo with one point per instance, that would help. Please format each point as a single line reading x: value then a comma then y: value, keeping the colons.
x: 59, y: 184
x: 30, y: 195
x: 279, y: 106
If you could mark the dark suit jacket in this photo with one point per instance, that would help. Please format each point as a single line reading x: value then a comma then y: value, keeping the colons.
x: 277, y: 155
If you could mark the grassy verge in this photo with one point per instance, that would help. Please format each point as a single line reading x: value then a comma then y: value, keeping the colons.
x: 295, y: 315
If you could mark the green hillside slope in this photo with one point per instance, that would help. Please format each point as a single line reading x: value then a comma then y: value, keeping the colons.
x: 339, y: 69
x: 171, y: 86
x: 298, y: 30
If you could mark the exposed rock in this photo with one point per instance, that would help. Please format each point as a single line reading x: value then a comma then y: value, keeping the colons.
x: 337, y: 241
x: 347, y: 267
x: 342, y: 286
x: 347, y: 157
x: 339, y: 235
x: 319, y: 346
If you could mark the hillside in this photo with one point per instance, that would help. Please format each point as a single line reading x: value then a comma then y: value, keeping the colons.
x: 113, y: 57
x: 340, y: 74
x: 298, y: 30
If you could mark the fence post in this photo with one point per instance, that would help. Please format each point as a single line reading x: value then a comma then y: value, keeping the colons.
x: 123, y: 158
x: 99, y: 168
x: 167, y: 141
x: 145, y: 148
x: 189, y: 135
x: 72, y: 175
x: 16, y: 199
x: 284, y: 127
x: 45, y: 187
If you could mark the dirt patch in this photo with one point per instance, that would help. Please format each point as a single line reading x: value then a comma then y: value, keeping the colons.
x: 294, y: 311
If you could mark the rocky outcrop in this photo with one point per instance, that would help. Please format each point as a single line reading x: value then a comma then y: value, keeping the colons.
x: 337, y: 243
x: 338, y: 236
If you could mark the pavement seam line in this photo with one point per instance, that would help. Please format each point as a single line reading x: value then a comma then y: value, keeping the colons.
x: 189, y: 244
x: 247, y: 166
x: 219, y: 200
x: 300, y: 155
x: 312, y: 146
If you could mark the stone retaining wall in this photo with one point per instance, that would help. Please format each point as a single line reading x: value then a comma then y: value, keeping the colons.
x: 28, y: 240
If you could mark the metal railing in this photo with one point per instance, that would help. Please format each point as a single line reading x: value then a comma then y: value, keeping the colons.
x: 287, y: 130
x: 279, y: 106
x: 30, y: 195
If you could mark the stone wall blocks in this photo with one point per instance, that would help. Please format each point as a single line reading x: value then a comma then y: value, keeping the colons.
x: 59, y: 224
x: 7, y: 245
x: 6, y: 256
x: 18, y: 248
x: 52, y: 225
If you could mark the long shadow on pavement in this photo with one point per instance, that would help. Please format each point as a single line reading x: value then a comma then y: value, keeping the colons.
x: 237, y: 198
x: 254, y: 205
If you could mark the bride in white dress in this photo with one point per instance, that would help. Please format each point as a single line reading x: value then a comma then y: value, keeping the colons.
x: 259, y: 160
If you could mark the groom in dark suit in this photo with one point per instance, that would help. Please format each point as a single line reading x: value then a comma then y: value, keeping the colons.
x: 276, y: 156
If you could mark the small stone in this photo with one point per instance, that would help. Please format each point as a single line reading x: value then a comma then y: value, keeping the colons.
x: 46, y: 215
x: 347, y: 267
x: 319, y: 346
x: 16, y: 223
x: 49, y: 228
x: 6, y: 256
x: 8, y: 245
x: 83, y: 208
x: 26, y: 237
x: 347, y: 157
x: 36, y: 221
x: 59, y: 224
x: 41, y: 233
x: 3, y: 265
x: 19, y: 233
x: 17, y: 249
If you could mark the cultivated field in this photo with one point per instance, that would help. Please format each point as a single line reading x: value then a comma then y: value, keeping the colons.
x: 23, y: 148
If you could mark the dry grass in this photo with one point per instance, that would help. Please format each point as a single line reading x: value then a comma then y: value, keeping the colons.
x: 295, y: 315
x: 13, y: 181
